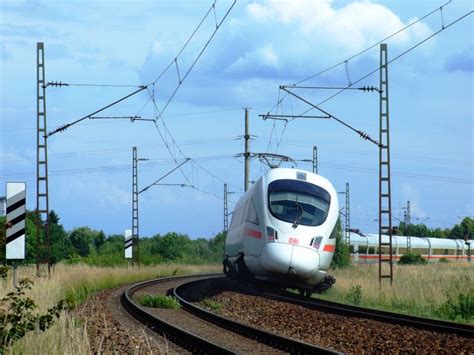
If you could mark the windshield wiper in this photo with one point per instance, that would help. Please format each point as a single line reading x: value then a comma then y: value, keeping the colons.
x: 298, y: 217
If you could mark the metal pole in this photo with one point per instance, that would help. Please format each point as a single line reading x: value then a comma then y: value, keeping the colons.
x: 408, y: 214
x: 247, y: 151
x: 348, y: 216
x: 315, y: 159
x: 135, y: 229
x: 15, y: 274
x: 226, y: 215
x: 385, y: 201
x: 43, y: 250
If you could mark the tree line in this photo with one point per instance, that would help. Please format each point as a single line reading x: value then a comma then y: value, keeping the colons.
x: 459, y: 231
x: 83, y: 244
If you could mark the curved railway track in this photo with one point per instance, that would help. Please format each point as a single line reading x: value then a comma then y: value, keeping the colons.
x: 236, y: 337
x: 230, y: 337
x: 342, y: 327
x: 440, y: 326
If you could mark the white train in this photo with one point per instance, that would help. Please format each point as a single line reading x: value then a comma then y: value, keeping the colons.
x: 283, y: 230
x: 364, y: 247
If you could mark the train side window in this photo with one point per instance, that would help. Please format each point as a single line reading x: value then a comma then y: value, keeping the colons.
x: 333, y: 234
x: 252, y: 213
x: 236, y: 217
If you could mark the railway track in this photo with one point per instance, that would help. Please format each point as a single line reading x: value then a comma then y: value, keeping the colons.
x: 342, y: 327
x: 209, y: 333
x: 440, y: 326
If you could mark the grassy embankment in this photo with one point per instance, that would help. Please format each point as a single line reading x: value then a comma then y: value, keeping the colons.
x: 417, y: 289
x: 76, y: 283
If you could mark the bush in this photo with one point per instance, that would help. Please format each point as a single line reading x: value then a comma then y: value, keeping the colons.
x: 462, y: 307
x: 354, y: 295
x: 342, y: 256
x: 443, y: 260
x: 159, y: 301
x: 18, y: 317
x: 412, y: 259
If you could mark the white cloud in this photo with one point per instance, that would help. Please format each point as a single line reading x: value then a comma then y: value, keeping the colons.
x: 264, y: 56
x: 353, y: 27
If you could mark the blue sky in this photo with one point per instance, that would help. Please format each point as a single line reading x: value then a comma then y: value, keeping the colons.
x: 260, y: 46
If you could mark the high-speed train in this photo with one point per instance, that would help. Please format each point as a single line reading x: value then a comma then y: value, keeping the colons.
x: 283, y: 230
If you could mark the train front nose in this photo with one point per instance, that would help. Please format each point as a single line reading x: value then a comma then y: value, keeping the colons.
x: 293, y: 260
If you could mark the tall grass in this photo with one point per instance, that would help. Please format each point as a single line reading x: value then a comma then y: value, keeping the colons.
x: 75, y: 283
x: 416, y: 289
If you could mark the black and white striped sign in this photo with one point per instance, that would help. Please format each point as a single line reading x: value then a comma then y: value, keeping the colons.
x: 128, y: 243
x: 16, y: 213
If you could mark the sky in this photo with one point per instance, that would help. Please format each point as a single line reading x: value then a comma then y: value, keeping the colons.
x: 122, y: 45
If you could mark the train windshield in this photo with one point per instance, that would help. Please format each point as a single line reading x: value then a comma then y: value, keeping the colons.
x: 298, y: 202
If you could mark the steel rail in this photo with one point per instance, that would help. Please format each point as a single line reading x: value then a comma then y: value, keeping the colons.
x: 435, y: 325
x: 279, y: 342
x: 177, y: 335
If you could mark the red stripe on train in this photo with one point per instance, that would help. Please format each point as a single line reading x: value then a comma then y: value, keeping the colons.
x: 424, y: 256
x: 253, y: 233
x: 330, y: 247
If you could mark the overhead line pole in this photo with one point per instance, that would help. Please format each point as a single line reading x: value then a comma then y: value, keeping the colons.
x: 408, y: 221
x: 226, y: 207
x: 247, y: 151
x: 407, y: 224
x: 385, y: 200
x: 348, y: 216
x: 43, y: 248
x: 135, y: 193
x: 226, y: 212
x: 135, y: 225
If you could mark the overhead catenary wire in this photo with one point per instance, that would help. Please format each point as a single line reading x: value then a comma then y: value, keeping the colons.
x: 66, y: 126
x: 359, y: 132
x: 150, y: 163
x: 159, y: 113
x: 59, y: 84
x: 373, y: 45
x: 280, y: 99
x: 126, y: 149
x: 193, y: 163
x: 317, y: 106
x: 375, y: 70
x: 162, y: 177
x: 175, y: 60
x: 196, y: 113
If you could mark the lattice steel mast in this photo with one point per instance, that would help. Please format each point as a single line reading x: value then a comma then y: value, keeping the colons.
x: 348, y: 217
x: 385, y: 202
x: 135, y: 228
x: 247, y: 151
x: 43, y: 248
x: 226, y: 214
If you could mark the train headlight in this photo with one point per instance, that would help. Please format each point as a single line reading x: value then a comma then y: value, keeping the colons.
x: 316, y: 242
x: 272, y: 234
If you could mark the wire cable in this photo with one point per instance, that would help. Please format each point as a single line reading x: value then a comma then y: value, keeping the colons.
x: 66, y: 126
x: 374, y: 45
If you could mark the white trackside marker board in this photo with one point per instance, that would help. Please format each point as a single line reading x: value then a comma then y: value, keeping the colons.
x: 16, y: 213
x: 128, y: 243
